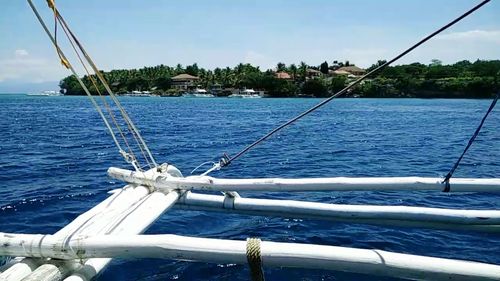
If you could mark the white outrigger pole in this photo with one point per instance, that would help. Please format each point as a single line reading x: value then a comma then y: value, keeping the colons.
x: 272, y: 254
x: 89, y: 243
x: 82, y: 249
x: 207, y: 183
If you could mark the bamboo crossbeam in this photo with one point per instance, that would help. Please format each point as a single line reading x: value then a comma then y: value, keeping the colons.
x: 18, y: 271
x: 475, y: 220
x: 100, y: 222
x: 137, y: 222
x: 130, y: 210
x: 273, y: 254
x: 305, y: 184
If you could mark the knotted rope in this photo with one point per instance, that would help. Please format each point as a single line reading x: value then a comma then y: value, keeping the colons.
x: 254, y: 259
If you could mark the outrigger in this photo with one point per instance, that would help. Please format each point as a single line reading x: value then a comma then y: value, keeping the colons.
x: 113, y: 228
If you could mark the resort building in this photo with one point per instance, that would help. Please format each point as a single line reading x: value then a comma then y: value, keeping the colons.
x: 312, y: 73
x: 184, y: 81
x: 339, y: 73
x: 352, y: 69
x: 283, y: 75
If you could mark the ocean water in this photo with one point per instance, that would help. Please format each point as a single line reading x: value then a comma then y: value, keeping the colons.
x: 54, y: 153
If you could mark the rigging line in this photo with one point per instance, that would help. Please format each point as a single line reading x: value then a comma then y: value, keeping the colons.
x: 227, y: 160
x: 70, y: 67
x: 52, y: 6
x: 128, y: 156
x: 446, y: 180
x: 106, y: 104
x: 135, y: 132
x: 111, y: 94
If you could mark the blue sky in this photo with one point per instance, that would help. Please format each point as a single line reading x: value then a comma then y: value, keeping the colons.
x: 219, y: 33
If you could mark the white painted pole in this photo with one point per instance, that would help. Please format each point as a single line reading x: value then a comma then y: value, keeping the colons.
x: 374, y: 262
x: 477, y: 220
x: 99, y: 222
x: 93, y: 221
x: 23, y: 268
x: 18, y: 270
x: 305, y: 184
x: 137, y: 222
x: 129, y: 219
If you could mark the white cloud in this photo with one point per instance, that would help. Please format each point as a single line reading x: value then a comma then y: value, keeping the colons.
x: 456, y: 46
x: 22, y: 66
x: 20, y: 53
x: 483, y: 36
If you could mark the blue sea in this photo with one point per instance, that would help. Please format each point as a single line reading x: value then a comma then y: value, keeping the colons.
x: 54, y: 153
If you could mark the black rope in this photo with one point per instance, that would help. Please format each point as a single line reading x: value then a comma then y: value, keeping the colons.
x: 446, y: 180
x: 227, y: 160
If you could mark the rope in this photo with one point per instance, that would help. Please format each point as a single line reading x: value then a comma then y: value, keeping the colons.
x: 133, y: 129
x: 74, y: 73
x: 254, y: 259
x: 132, y: 159
x: 202, y: 164
x: 135, y: 132
x: 226, y: 161
x: 128, y: 155
x: 446, y: 180
x: 52, y: 6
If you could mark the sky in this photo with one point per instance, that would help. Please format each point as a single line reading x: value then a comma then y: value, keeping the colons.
x: 121, y: 34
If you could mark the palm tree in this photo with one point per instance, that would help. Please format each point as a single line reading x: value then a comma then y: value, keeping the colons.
x: 280, y: 67
x: 293, y: 70
x: 303, y: 70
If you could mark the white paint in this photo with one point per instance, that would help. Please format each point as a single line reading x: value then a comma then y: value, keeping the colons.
x: 94, y: 221
x: 137, y: 222
x: 23, y: 268
x: 479, y: 220
x: 374, y: 262
x: 304, y: 184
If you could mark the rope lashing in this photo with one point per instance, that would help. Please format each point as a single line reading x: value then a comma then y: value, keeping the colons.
x: 254, y: 259
x: 446, y: 180
x: 228, y: 161
x: 64, y: 61
x: 51, y: 4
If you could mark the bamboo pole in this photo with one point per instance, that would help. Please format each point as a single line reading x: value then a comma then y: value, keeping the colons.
x: 305, y: 184
x: 138, y: 218
x: 24, y: 267
x: 475, y: 220
x: 273, y: 254
x: 106, y: 217
x: 99, y: 221
x: 137, y: 222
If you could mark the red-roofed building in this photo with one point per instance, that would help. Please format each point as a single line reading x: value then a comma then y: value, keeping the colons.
x: 283, y: 75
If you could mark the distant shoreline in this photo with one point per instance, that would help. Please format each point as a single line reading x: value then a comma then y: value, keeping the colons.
x: 464, y: 79
x: 180, y: 97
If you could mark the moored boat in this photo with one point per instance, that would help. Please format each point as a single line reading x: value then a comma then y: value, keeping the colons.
x: 198, y: 93
x: 246, y: 93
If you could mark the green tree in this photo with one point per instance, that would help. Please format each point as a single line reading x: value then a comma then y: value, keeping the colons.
x: 324, y: 68
x: 293, y: 70
x: 314, y: 87
x: 337, y: 83
x: 192, y: 69
x: 280, y: 67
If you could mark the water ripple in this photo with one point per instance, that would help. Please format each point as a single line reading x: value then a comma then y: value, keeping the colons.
x: 54, y: 153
